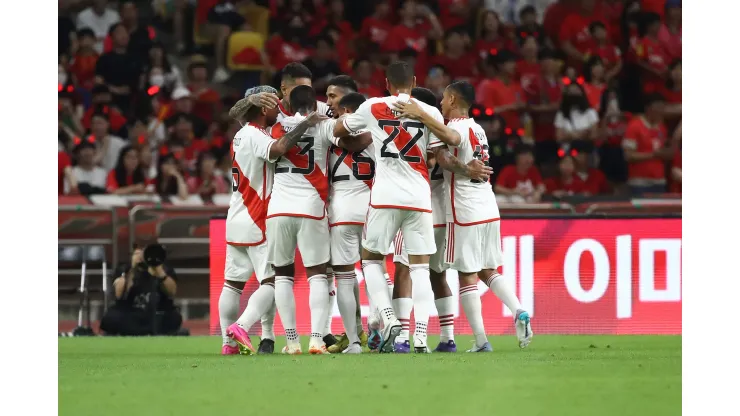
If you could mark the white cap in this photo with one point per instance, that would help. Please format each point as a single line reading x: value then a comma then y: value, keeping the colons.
x: 180, y: 92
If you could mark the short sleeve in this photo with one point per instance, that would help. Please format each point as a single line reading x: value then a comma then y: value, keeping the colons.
x: 560, y: 121
x: 261, y: 144
x: 325, y: 131
x: 357, y: 120
x: 433, y: 139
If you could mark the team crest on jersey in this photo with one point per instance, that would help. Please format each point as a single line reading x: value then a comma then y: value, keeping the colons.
x: 237, y: 140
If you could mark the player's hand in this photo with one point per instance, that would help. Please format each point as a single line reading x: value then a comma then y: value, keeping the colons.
x: 410, y: 109
x: 315, y: 118
x: 479, y: 170
x: 264, y: 99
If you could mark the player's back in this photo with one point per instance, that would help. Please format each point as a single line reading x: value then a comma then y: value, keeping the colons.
x: 301, y: 185
x: 401, y: 176
x: 252, y: 181
x: 471, y: 201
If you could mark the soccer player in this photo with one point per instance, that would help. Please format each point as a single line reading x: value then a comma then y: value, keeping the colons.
x: 474, y: 226
x: 407, y: 292
x: 400, y: 196
x: 253, y: 154
x: 338, y: 87
x: 293, y: 75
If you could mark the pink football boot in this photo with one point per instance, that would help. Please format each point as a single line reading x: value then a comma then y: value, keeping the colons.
x: 229, y: 350
x: 240, y: 336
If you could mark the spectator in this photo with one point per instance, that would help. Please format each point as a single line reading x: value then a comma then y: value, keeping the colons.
x: 224, y: 19
x: 629, y: 28
x: 528, y: 27
x: 147, y: 163
x: 159, y: 71
x: 437, y: 81
x: 69, y: 113
x: 566, y: 183
x: 417, y: 23
x: 102, y: 101
x: 334, y: 17
x: 453, y: 13
x: 491, y: 37
x: 128, y: 177
x: 118, y: 70
x: 670, y: 31
x: 98, y: 18
x: 170, y: 180
x: 376, y: 27
x: 66, y: 31
x: 140, y: 35
x: 651, y: 58
x: 207, y: 101
x: 507, y: 9
x: 645, y: 150
x: 323, y: 64
x: 207, y: 181
x: 66, y: 176
x: 602, y: 47
x: 109, y: 146
x: 183, y: 107
x: 594, y: 180
x: 613, y: 126
x: 521, y: 182
x: 629, y: 82
x: 183, y: 135
x: 676, y: 184
x: 671, y: 90
x: 82, y: 65
x: 288, y: 46
x: 89, y: 177
x: 502, y: 145
x: 411, y: 57
x: 595, y: 81
x: 544, y: 102
x: 363, y: 75
x: 528, y: 68
x: 574, y: 35
x: 502, y: 93
x: 460, y: 64
x: 575, y: 120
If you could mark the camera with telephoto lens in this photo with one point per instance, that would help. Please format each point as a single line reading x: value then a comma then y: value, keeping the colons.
x: 155, y: 255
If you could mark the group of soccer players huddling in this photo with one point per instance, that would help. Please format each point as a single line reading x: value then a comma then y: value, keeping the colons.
x: 354, y: 179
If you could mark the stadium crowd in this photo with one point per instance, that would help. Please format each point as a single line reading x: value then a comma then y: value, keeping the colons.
x: 577, y: 97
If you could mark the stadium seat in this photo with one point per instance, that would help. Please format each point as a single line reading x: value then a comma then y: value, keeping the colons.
x: 245, y: 51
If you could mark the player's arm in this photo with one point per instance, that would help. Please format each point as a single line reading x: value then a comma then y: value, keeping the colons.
x: 355, y: 143
x: 289, y: 139
x: 350, y: 124
x: 413, y: 110
x: 475, y: 169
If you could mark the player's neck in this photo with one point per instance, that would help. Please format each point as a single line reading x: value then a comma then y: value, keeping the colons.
x: 404, y: 90
x: 259, y: 122
x: 454, y: 114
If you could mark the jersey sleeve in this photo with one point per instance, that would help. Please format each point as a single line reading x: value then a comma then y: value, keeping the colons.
x: 325, y: 131
x: 261, y: 144
x: 357, y: 120
x: 433, y: 139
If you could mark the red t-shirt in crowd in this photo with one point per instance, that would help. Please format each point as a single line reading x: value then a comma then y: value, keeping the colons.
x: 553, y: 19
x: 544, y: 92
x: 83, y: 68
x: 493, y: 93
x: 609, y: 54
x: 446, y: 17
x: 117, y: 120
x: 574, y: 29
x: 527, y: 73
x: 207, y: 103
x: 650, y: 52
x: 593, y: 94
x: 112, y: 184
x: 671, y: 42
x: 676, y: 186
x: 511, y: 178
x: 64, y: 162
x: 370, y: 91
x: 282, y: 53
x: 644, y: 138
x: 376, y: 30
x: 459, y: 69
x: 653, y: 6
x: 671, y: 96
x: 594, y: 182
x: 483, y: 47
x: 402, y: 37
x: 616, y: 128
x: 575, y: 186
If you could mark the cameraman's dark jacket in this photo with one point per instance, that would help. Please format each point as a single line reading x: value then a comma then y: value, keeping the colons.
x: 144, y: 288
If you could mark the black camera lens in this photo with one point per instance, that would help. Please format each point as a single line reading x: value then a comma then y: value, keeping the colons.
x: 154, y: 255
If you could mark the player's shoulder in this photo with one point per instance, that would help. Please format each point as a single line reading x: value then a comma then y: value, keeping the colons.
x: 323, y: 108
x: 277, y: 130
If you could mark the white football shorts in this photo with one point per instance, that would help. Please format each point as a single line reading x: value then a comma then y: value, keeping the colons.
x: 436, y: 260
x: 382, y: 225
x: 345, y: 244
x: 242, y: 261
x: 474, y: 248
x: 310, y: 236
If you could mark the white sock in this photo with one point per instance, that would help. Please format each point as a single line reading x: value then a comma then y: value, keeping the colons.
x: 389, y: 282
x: 402, y: 307
x: 358, y: 310
x: 317, y: 302
x: 228, y: 310
x: 423, y: 296
x: 504, y: 292
x: 285, y: 302
x: 259, y: 304
x: 268, y: 321
x: 373, y: 316
x: 471, y: 304
x: 347, y: 303
x: 446, y: 312
x: 330, y: 301
x: 378, y: 289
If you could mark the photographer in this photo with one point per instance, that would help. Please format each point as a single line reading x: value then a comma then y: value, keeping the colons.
x: 144, y: 297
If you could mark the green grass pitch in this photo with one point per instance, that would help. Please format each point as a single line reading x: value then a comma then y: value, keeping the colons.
x: 556, y: 375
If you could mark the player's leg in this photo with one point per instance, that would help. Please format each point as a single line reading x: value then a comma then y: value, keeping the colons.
x: 380, y: 229
x: 445, y: 303
x: 329, y: 338
x: 402, y: 300
x: 237, y: 271
x: 422, y: 292
x: 491, y: 276
x: 465, y: 255
x: 345, y: 240
x: 261, y: 301
x: 281, y: 246
x: 313, y: 243
x: 419, y: 242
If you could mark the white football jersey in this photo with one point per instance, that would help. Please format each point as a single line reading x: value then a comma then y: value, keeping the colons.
x: 321, y: 108
x: 351, y: 177
x: 301, y: 187
x: 471, y: 202
x: 401, y: 176
x: 439, y: 196
x: 252, y: 175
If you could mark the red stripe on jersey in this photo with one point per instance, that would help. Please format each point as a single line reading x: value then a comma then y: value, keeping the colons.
x: 256, y: 206
x: 283, y: 109
x: 349, y: 160
x: 316, y: 177
x: 381, y: 111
